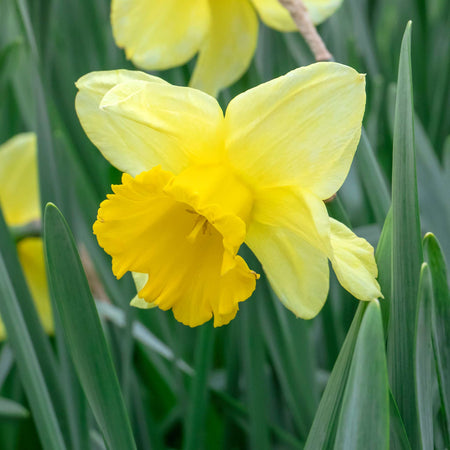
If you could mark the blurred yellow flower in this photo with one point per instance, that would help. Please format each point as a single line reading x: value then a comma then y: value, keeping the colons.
x: 159, y: 35
x: 198, y: 184
x: 19, y: 199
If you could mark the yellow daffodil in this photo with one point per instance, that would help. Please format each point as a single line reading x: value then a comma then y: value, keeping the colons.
x: 159, y: 34
x: 198, y: 184
x: 19, y: 199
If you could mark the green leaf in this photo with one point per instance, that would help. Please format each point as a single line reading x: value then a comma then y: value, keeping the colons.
x: 364, y: 416
x: 398, y: 439
x: 406, y: 249
x: 41, y: 343
x: 383, y: 257
x: 195, y: 418
x: 373, y: 179
x: 253, y: 362
x: 84, y: 335
x: 424, y: 359
x: 323, y: 429
x: 433, y: 189
x: 294, y: 365
x: 9, y: 409
x: 440, y: 322
x: 27, y: 362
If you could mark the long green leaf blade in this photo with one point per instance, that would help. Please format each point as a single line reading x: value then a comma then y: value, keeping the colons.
x: 424, y: 359
x: 440, y: 322
x: 373, y: 179
x: 86, y: 343
x: 195, y: 418
x: 325, y: 422
x: 364, y: 417
x: 27, y: 362
x: 9, y: 409
x: 406, y: 249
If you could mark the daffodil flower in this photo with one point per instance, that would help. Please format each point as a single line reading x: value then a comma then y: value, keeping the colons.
x: 198, y: 184
x: 159, y: 34
x: 19, y: 199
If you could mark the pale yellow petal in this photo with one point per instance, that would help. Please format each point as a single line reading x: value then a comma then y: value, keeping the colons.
x: 144, y: 121
x: 179, y: 126
x: 276, y: 16
x: 301, y: 129
x: 19, y: 188
x: 354, y: 262
x: 297, y: 271
x: 229, y: 46
x: 107, y: 131
x: 288, y: 233
x: 140, y: 280
x: 320, y: 10
x: 31, y: 257
x: 295, y: 210
x: 159, y: 34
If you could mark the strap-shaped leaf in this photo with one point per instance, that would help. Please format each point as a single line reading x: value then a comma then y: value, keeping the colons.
x: 406, y: 249
x: 364, y: 416
x: 83, y: 331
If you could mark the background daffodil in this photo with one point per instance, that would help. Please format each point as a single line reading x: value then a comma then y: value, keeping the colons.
x: 19, y: 199
x: 197, y: 185
x: 158, y: 35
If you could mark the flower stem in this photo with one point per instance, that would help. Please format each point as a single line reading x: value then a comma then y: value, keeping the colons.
x: 301, y: 17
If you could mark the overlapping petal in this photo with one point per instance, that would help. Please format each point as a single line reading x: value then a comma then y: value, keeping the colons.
x: 138, y: 121
x: 297, y: 271
x: 228, y: 47
x: 19, y: 190
x: 301, y: 129
x: 354, y: 262
x: 159, y: 34
x: 289, y: 234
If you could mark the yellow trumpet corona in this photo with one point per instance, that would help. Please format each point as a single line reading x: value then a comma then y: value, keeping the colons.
x: 198, y: 184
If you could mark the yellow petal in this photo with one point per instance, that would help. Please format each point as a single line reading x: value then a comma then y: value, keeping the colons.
x: 140, y: 280
x: 229, y: 46
x: 288, y: 234
x: 320, y: 10
x: 147, y: 230
x: 295, y: 210
x: 297, y: 271
x: 301, y: 129
x: 276, y: 16
x: 178, y: 126
x: 107, y: 131
x: 138, y: 121
x: 354, y: 263
x: 159, y: 34
x: 19, y: 189
x: 31, y: 257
